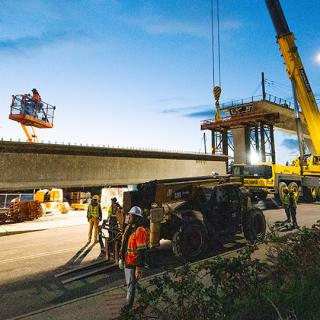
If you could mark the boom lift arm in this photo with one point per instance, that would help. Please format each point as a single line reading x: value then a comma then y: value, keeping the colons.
x: 296, y: 72
x: 30, y: 132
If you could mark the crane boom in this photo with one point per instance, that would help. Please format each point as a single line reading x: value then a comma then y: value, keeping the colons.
x: 296, y: 72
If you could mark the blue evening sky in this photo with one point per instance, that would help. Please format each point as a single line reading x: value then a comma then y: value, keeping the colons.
x: 139, y: 73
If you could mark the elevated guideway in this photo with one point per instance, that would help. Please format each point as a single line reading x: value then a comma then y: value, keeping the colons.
x: 270, y: 104
x: 26, y: 166
x: 247, y: 126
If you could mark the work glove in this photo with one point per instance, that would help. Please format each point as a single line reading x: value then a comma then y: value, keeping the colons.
x: 138, y: 273
x: 121, y: 266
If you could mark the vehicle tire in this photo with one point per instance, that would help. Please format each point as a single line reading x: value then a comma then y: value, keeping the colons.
x: 254, y: 227
x: 190, y: 241
x: 294, y: 186
x: 281, y: 187
x: 318, y: 193
x: 309, y: 194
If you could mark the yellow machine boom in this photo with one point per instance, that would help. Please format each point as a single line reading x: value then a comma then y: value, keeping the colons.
x: 296, y: 72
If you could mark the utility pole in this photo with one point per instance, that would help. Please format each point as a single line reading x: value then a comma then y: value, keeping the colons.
x: 263, y: 85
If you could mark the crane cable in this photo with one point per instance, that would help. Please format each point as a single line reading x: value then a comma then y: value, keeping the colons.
x: 219, y: 47
x: 216, y: 89
x: 212, y: 45
x: 212, y: 42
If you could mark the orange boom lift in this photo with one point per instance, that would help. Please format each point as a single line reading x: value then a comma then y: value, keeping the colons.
x: 31, y: 114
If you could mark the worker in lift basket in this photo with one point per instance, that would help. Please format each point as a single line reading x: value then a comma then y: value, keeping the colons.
x: 33, y: 105
x: 132, y: 253
x: 36, y: 96
x: 94, y: 215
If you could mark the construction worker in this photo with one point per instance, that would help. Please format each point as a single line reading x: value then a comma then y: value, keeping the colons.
x: 285, y: 203
x: 132, y: 252
x: 112, y: 211
x: 37, y: 105
x: 293, y: 208
x: 36, y: 96
x: 94, y: 215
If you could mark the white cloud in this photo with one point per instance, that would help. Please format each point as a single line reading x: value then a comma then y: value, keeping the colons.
x: 230, y: 24
x: 157, y: 25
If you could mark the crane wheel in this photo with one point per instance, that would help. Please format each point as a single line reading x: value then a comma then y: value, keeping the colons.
x: 254, y: 227
x: 293, y: 186
x: 309, y: 194
x: 190, y: 241
x: 318, y: 193
x: 280, y: 194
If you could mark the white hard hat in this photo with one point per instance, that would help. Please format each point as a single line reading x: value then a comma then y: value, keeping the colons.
x: 136, y: 211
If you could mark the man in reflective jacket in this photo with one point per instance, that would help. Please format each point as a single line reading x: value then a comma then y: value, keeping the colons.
x: 132, y: 252
x: 293, y: 208
x: 94, y: 215
x: 285, y: 203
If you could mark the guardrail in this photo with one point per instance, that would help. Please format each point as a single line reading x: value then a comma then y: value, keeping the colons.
x: 268, y: 97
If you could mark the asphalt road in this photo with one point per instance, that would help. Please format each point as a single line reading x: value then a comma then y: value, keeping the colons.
x: 29, y: 261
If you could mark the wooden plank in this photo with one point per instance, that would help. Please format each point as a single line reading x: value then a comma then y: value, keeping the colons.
x: 79, y: 268
x: 89, y: 273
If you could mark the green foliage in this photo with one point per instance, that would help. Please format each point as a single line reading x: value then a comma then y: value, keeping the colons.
x: 284, y: 286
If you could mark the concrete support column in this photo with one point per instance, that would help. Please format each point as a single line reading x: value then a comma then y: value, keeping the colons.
x: 248, y: 143
x: 239, y: 143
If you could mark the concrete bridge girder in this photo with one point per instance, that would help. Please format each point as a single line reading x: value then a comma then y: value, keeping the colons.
x: 31, y: 166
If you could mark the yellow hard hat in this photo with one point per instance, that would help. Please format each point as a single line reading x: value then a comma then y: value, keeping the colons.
x: 95, y: 197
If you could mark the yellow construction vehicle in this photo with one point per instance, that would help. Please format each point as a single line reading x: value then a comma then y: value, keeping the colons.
x: 80, y: 200
x: 51, y: 200
x: 304, y: 173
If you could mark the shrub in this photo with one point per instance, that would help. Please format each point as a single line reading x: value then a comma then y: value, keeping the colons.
x: 284, y: 286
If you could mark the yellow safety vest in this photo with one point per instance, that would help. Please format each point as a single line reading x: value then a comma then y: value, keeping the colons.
x: 286, y: 200
x: 93, y: 211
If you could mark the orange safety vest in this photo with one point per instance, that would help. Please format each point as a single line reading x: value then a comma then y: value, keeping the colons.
x: 36, y: 97
x: 138, y: 240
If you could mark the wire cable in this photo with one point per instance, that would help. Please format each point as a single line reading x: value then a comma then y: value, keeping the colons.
x: 256, y: 89
x: 219, y: 47
x: 212, y: 45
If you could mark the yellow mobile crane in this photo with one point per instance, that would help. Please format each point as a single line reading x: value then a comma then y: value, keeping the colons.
x: 303, y: 174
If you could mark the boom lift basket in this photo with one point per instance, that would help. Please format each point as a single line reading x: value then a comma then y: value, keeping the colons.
x: 31, y: 113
